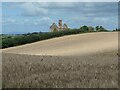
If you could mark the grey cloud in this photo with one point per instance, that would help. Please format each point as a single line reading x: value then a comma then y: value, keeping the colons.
x: 96, y: 9
x: 82, y: 8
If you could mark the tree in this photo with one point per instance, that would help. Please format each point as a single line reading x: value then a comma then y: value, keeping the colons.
x: 100, y: 28
x: 84, y: 28
x: 116, y: 29
x: 97, y: 28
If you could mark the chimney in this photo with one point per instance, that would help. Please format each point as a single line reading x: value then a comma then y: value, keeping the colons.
x: 60, y: 24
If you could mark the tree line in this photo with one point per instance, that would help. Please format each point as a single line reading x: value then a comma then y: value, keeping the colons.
x: 16, y: 40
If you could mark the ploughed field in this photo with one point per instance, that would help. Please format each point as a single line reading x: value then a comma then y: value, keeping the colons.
x: 74, y: 61
x: 71, y: 45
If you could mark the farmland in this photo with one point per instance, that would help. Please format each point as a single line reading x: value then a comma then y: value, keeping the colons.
x: 87, y: 60
x: 90, y: 71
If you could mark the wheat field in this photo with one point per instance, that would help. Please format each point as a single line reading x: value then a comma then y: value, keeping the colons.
x: 30, y: 71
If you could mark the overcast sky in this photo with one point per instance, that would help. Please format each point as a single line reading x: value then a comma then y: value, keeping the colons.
x: 23, y: 17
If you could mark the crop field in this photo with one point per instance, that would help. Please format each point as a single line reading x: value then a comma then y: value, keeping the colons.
x: 35, y: 71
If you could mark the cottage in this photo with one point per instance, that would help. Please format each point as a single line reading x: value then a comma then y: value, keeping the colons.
x: 54, y: 27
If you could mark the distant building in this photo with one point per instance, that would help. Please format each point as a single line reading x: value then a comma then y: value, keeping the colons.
x: 54, y: 27
x: 65, y: 26
x: 60, y: 24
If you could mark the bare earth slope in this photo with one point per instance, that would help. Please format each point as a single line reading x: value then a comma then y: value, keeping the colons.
x: 70, y: 45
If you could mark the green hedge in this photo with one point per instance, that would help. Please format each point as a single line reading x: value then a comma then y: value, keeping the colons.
x: 33, y: 37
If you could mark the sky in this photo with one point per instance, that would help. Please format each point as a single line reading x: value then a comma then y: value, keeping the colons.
x: 24, y: 17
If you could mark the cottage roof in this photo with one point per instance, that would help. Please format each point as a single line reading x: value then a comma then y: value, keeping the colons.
x: 65, y: 25
x: 53, y: 26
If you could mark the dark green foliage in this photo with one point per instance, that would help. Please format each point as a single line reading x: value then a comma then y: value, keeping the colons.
x: 116, y: 30
x: 100, y: 29
x: 97, y: 28
x: 9, y: 41
x: 84, y: 28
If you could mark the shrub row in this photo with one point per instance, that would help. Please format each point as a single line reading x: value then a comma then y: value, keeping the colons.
x: 33, y: 37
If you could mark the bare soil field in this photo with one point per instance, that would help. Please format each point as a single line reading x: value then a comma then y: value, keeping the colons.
x: 75, y: 45
x: 31, y: 71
